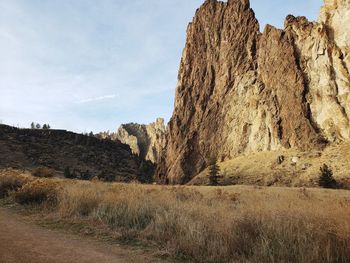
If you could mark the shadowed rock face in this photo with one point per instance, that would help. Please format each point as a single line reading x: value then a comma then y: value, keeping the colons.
x: 242, y: 91
x: 146, y: 141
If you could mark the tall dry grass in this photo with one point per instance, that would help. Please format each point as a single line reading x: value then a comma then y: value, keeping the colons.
x: 213, y: 225
x: 37, y: 192
x: 10, y: 182
x: 232, y: 224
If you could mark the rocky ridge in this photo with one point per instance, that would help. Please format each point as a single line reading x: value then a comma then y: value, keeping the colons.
x: 241, y: 91
x: 146, y: 141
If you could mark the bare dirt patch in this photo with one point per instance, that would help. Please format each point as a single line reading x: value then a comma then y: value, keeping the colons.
x: 23, y: 241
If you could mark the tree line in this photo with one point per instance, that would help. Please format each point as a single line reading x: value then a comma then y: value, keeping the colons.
x: 45, y: 126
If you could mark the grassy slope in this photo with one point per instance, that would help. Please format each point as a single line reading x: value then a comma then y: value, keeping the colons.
x: 262, y: 168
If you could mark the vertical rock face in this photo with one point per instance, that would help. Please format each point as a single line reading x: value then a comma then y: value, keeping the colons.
x: 242, y: 91
x: 323, y: 50
x: 147, y: 141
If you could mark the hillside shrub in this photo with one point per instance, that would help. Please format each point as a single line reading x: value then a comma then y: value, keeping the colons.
x: 36, y: 192
x: 86, y: 176
x: 106, y: 176
x: 43, y: 172
x: 10, y: 183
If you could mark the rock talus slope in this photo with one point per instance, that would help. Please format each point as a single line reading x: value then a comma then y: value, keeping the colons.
x: 241, y: 91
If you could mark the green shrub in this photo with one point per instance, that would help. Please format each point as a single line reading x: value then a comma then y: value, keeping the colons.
x: 326, y: 179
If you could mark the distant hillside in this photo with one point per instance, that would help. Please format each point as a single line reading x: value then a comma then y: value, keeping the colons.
x: 59, y: 149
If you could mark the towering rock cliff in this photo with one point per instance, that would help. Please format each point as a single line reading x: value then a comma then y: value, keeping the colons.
x: 146, y: 141
x: 241, y: 91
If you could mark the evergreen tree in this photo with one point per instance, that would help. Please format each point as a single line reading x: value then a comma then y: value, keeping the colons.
x: 214, y: 172
x: 67, y: 173
x: 45, y: 127
x: 37, y: 126
x: 326, y: 179
x: 32, y: 125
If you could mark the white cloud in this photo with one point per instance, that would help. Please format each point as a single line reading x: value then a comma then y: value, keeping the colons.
x: 105, y: 97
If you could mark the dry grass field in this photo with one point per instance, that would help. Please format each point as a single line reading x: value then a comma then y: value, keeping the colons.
x: 201, y: 224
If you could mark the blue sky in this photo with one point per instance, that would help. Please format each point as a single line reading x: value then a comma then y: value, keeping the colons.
x: 88, y: 65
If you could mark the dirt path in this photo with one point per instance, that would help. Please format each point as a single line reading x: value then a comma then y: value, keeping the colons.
x: 25, y: 242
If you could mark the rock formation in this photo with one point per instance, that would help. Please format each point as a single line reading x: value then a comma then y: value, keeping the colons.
x: 146, y: 141
x: 241, y: 91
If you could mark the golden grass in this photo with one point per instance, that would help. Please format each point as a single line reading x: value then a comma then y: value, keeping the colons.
x: 261, y: 168
x: 213, y: 224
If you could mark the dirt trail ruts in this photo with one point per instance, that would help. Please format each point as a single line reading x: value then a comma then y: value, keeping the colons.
x: 25, y: 242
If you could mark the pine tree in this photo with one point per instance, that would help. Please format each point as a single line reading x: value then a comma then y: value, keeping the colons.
x: 32, y: 125
x: 326, y: 179
x: 44, y: 127
x: 67, y: 173
x: 37, y: 126
x: 214, y: 173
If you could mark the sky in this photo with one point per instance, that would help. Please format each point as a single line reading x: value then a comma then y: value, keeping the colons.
x: 87, y: 65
